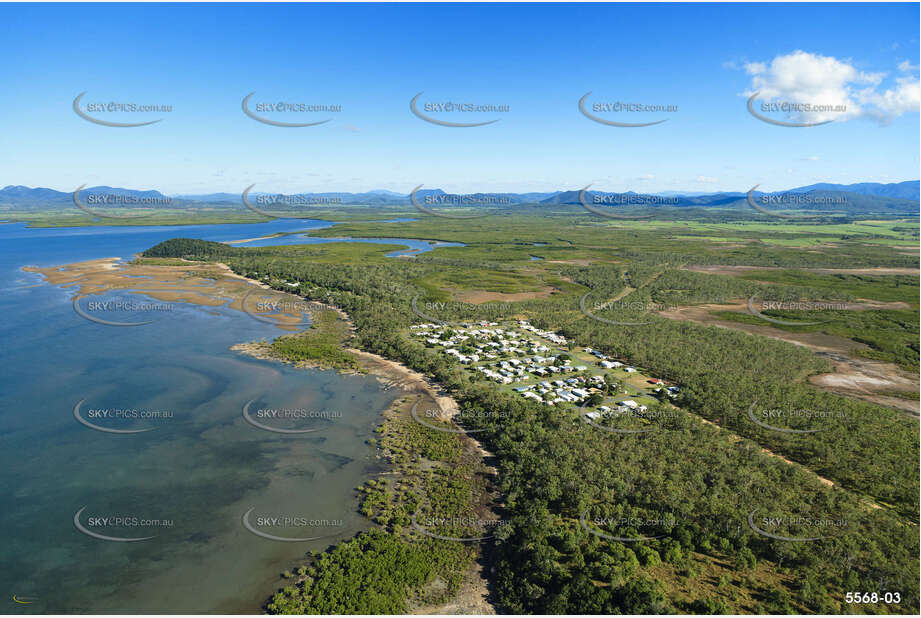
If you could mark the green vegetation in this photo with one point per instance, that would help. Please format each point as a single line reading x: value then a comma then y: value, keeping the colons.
x: 320, y: 345
x: 892, y: 336
x: 482, y: 279
x: 372, y: 573
x: 569, y: 233
x: 191, y: 249
x: 155, y: 261
x: 886, y: 288
x: 395, y: 568
x: 709, y: 478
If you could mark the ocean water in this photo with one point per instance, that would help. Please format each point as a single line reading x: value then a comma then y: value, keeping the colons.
x: 194, y: 466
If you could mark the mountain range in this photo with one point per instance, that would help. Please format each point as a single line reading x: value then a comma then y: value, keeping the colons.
x: 864, y: 197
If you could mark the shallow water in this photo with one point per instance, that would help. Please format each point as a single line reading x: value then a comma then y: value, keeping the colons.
x: 199, y: 469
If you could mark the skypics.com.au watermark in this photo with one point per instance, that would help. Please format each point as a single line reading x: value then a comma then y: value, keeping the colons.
x: 290, y: 109
x: 440, y: 312
x: 426, y: 201
x: 473, y: 199
x: 270, y: 419
x: 108, y: 420
x: 603, y: 112
x: 794, y: 113
x: 628, y: 528
x: 114, y: 201
x: 795, y: 528
x: 295, y: 413
x: 629, y: 199
x: 113, y: 308
x: 268, y: 205
x: 755, y: 308
x: 112, y: 527
x: 269, y: 309
x: 790, y: 107
x: 459, y: 529
x: 463, y: 416
x: 95, y: 110
x: 279, y: 527
x: 774, y: 418
x: 296, y: 199
x: 602, y: 204
x: 639, y: 307
x: 628, y: 409
x: 124, y: 200
x: 429, y: 111
x: 803, y: 200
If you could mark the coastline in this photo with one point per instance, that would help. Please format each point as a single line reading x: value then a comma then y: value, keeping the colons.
x: 472, y: 597
x: 213, y: 284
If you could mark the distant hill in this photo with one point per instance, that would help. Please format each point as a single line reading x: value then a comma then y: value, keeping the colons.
x: 856, y: 199
x: 909, y: 190
x: 647, y: 199
x: 211, y: 197
x: 20, y: 195
x: 25, y: 198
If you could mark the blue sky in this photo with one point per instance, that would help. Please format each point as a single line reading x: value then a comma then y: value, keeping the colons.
x: 538, y: 59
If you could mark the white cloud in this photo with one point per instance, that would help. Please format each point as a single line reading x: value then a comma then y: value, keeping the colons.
x: 708, y: 179
x: 801, y: 77
x: 905, y: 66
x: 892, y: 103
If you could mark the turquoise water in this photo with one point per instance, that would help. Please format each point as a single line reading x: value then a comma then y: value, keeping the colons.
x: 189, y: 481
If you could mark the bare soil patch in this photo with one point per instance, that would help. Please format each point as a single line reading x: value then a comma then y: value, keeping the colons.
x: 853, y: 376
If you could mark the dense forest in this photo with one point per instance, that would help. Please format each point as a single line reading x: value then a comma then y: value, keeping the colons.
x: 701, y: 482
